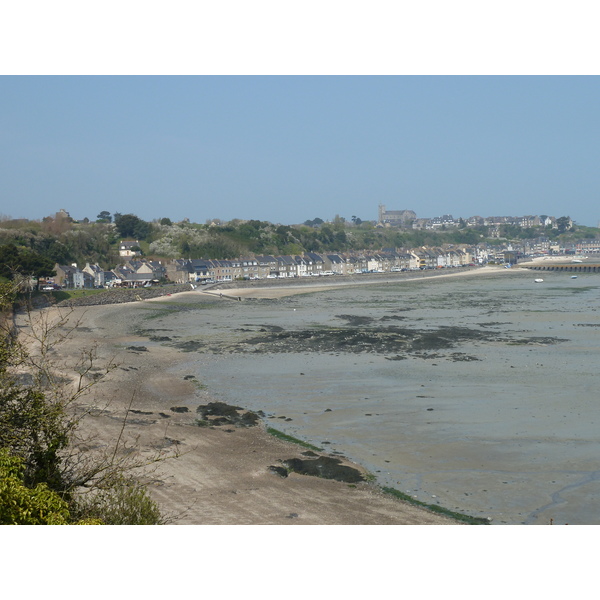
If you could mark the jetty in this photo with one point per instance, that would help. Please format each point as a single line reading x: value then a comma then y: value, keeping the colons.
x: 567, y: 267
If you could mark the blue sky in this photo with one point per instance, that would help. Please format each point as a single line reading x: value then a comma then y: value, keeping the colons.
x: 290, y: 148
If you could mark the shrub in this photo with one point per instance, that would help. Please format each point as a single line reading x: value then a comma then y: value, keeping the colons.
x: 126, y: 503
x: 46, y: 474
x: 20, y: 505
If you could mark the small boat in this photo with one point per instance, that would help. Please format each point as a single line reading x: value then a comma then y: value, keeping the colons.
x: 573, y: 276
x: 538, y: 280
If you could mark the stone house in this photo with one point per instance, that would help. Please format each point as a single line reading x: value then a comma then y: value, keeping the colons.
x: 96, y: 272
x: 315, y: 263
x: 72, y: 278
x: 267, y: 265
x: 334, y: 263
x: 127, y: 248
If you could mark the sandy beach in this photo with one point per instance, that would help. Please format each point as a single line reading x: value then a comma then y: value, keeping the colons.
x: 282, y: 289
x: 223, y: 474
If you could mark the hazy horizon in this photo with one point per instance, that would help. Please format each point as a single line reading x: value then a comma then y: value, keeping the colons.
x: 290, y: 148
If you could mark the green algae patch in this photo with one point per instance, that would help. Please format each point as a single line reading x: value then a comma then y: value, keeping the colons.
x: 437, y: 509
x: 288, y: 438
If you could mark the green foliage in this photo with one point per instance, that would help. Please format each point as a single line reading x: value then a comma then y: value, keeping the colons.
x: 33, y: 429
x: 316, y: 222
x: 62, y: 241
x: 126, y: 502
x: 24, y: 261
x: 22, y: 505
x: 563, y: 224
x: 131, y: 226
x: 45, y: 464
x: 30, y: 426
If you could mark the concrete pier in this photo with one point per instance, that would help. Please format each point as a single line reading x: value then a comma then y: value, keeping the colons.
x: 584, y: 267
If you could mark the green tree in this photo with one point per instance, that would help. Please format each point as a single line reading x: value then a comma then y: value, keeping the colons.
x: 132, y: 226
x: 563, y: 224
x: 104, y: 217
x: 314, y: 222
x: 22, y: 261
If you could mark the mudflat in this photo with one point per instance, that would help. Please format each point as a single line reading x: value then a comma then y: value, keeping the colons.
x: 224, y: 474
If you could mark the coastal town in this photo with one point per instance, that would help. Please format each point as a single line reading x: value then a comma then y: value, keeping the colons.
x: 135, y: 270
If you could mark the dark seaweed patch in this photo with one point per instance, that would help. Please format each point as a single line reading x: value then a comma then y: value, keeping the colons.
x: 189, y: 346
x: 220, y: 413
x: 459, y: 357
x: 326, y: 467
x: 431, y: 341
x: 384, y: 340
x: 355, y: 320
x: 536, y: 341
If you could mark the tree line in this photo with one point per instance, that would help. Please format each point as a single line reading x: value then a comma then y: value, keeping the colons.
x: 31, y: 246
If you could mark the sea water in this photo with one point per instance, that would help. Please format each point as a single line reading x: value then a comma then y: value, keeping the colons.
x: 506, y: 427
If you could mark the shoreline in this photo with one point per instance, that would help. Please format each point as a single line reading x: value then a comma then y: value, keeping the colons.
x: 153, y: 381
x: 267, y: 288
x: 223, y: 475
x: 301, y: 286
x: 235, y: 290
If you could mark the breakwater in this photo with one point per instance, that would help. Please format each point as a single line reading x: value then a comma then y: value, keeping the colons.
x: 570, y: 268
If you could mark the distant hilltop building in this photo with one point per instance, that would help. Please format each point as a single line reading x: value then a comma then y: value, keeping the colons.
x: 395, y: 218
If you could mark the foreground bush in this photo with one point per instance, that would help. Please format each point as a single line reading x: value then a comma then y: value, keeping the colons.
x: 126, y: 503
x: 21, y: 505
x: 46, y: 474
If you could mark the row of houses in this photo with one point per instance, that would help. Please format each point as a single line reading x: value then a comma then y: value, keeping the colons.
x: 448, y: 221
x: 141, y: 272
x: 133, y: 273
x: 138, y: 272
x: 311, y: 264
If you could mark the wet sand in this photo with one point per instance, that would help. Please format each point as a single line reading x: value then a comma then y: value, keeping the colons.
x: 283, y: 289
x: 222, y: 475
x: 502, y: 425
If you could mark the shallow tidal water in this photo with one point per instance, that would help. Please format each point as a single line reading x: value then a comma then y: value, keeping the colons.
x: 490, y: 408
